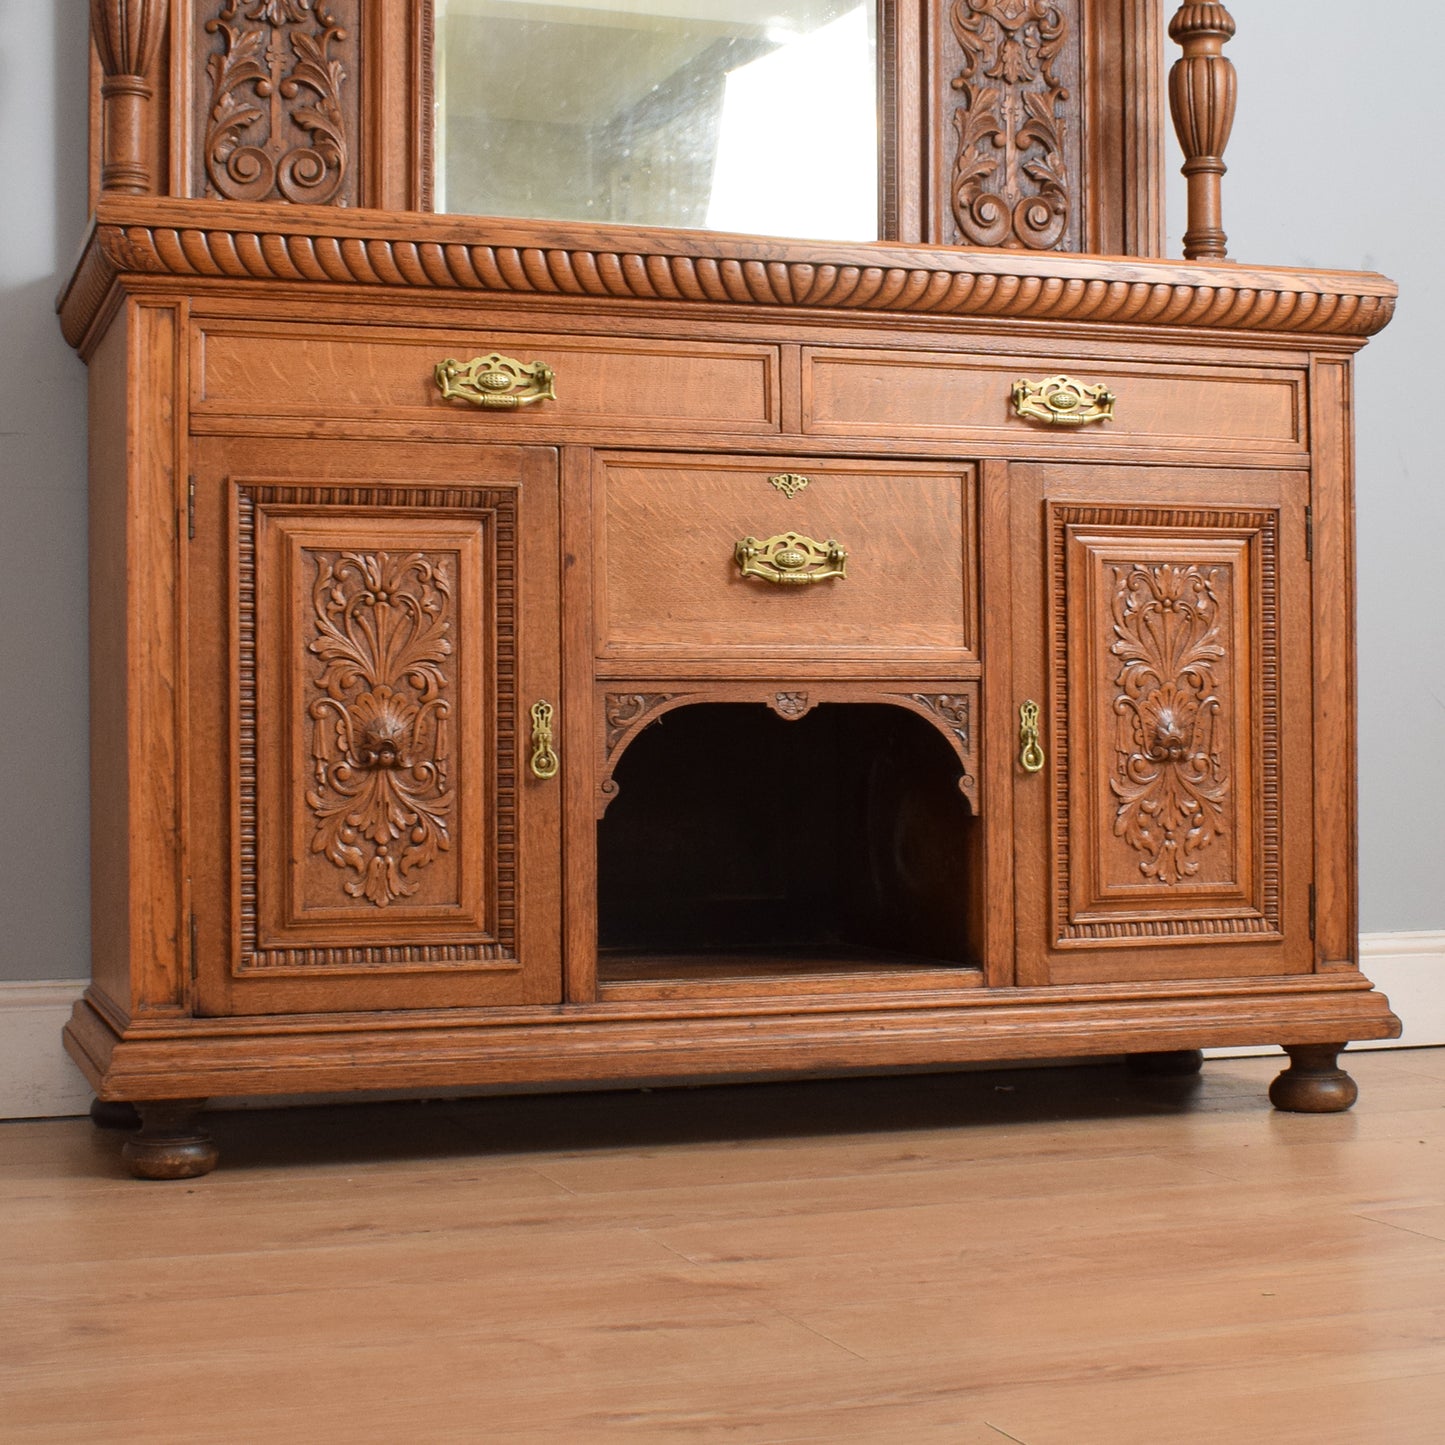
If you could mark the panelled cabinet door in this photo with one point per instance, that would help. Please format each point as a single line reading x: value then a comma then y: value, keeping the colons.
x: 370, y: 628
x: 1163, y: 826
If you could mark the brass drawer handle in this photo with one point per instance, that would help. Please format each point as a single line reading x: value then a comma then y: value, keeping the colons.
x: 1062, y: 401
x: 1031, y: 753
x: 495, y: 381
x: 790, y: 559
x: 544, y: 757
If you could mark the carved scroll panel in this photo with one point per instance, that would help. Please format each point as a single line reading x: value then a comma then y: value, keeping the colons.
x: 371, y: 645
x: 1167, y: 729
x: 1010, y: 119
x: 277, y: 89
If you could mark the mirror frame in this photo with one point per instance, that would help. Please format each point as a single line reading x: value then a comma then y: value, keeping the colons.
x: 384, y: 49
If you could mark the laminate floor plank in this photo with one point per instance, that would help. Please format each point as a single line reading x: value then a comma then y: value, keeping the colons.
x: 1050, y: 1257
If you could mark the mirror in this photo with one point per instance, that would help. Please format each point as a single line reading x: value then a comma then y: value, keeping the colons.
x: 759, y: 116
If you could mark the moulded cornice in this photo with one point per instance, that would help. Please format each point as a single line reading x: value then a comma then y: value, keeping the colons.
x: 225, y: 241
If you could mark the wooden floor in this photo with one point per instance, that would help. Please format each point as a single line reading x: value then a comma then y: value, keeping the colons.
x: 1054, y: 1257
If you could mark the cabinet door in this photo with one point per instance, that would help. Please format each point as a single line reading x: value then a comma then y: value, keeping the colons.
x: 1162, y: 628
x: 370, y: 628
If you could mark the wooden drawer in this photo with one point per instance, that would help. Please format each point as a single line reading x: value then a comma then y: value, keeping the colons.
x: 670, y: 585
x: 383, y: 376
x: 940, y: 395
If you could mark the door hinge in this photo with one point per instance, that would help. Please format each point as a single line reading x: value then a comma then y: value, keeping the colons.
x: 1309, y: 534
x: 193, y: 949
x: 1312, y: 910
x: 191, y: 508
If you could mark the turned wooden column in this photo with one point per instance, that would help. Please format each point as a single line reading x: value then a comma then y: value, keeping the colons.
x: 127, y: 34
x: 1201, y: 99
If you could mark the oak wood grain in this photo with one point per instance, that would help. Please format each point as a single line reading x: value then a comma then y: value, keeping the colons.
x: 669, y: 587
x: 252, y: 369
x: 737, y: 1036
x: 1335, y: 709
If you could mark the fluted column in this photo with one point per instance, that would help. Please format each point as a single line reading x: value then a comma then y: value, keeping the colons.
x: 127, y: 35
x: 1201, y: 98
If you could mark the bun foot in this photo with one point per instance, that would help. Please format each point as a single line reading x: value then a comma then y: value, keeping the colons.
x: 1313, y: 1083
x: 1166, y: 1064
x: 114, y: 1114
x: 171, y: 1144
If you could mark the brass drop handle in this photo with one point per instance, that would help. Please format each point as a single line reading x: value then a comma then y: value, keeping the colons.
x: 496, y: 381
x: 790, y: 559
x: 1031, y: 752
x: 1062, y: 401
x: 544, y: 757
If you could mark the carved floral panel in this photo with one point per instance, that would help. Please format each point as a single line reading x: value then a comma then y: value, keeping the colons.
x: 1010, y: 109
x: 1165, y: 753
x: 380, y: 788
x: 278, y: 100
x: 371, y: 642
x: 1172, y: 750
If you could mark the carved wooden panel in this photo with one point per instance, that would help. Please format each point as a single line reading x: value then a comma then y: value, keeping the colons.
x: 376, y: 715
x: 277, y: 86
x: 1166, y: 724
x: 1013, y: 73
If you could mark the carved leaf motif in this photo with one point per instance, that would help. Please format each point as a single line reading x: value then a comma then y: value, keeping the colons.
x: 954, y: 711
x: 325, y: 77
x: 1170, y: 779
x: 241, y: 63
x: 625, y: 708
x: 379, y: 743
x: 277, y: 12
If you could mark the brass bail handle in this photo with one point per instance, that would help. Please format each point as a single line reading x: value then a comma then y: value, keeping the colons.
x: 1031, y: 752
x: 496, y: 382
x: 1062, y: 401
x: 790, y: 559
x: 544, y: 756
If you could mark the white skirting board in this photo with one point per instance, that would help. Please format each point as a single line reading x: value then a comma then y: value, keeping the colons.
x: 38, y: 1080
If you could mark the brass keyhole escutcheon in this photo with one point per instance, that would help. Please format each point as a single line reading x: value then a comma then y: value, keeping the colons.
x: 1031, y: 752
x: 544, y: 756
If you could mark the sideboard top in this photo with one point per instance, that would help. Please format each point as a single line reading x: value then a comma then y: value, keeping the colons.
x: 228, y: 244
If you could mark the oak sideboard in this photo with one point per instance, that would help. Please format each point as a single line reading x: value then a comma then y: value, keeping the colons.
x: 549, y: 652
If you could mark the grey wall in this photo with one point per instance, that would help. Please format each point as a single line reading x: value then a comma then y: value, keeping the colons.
x: 1334, y: 163
x: 44, y: 763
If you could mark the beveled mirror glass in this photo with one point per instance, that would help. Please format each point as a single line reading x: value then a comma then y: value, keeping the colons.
x: 758, y: 116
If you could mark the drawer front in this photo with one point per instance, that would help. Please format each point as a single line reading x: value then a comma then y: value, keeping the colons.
x: 372, y: 375
x: 941, y: 396
x: 673, y: 585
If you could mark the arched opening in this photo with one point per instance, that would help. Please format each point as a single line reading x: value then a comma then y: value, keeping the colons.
x: 744, y: 845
